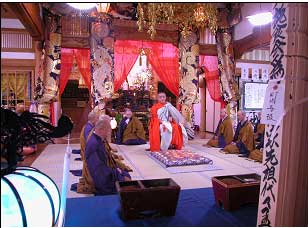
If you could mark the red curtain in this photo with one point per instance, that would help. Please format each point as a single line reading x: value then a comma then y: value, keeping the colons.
x: 163, y: 57
x: 210, y: 64
x: 67, y: 56
x: 125, y: 55
x: 83, y: 61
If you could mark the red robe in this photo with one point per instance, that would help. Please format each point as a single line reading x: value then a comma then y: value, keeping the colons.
x: 154, y: 131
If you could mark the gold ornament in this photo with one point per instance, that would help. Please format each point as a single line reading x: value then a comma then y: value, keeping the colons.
x: 186, y: 16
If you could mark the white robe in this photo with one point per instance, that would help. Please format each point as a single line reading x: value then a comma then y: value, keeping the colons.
x: 166, y: 135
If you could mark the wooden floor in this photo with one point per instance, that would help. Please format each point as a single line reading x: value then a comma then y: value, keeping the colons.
x: 29, y: 159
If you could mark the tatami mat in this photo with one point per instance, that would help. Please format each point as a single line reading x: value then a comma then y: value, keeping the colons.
x: 51, y: 163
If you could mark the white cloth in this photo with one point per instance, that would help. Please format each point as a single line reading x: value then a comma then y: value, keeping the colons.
x: 166, y: 134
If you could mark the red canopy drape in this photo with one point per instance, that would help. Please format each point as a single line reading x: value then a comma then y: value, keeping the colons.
x: 210, y: 64
x: 67, y: 56
x: 83, y: 61
x: 125, y: 55
x: 163, y: 57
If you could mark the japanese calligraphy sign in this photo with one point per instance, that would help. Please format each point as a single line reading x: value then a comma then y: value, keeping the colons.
x: 278, y: 42
x: 273, y: 103
x: 244, y: 73
x: 255, y: 74
x: 264, y: 74
x: 269, y: 181
x: 273, y: 109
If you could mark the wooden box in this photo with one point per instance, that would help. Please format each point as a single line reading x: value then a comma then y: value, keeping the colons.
x: 233, y: 191
x: 148, y: 198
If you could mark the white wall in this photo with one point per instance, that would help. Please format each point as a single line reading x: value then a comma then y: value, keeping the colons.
x: 11, y: 23
x: 244, y: 28
x: 17, y: 55
x: 14, y: 24
x: 197, y: 112
x: 212, y: 113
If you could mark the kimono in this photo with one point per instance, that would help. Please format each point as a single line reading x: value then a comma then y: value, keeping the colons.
x: 243, y: 138
x: 131, y: 132
x: 85, y: 185
x: 102, y: 166
x: 163, y: 133
x: 224, y: 132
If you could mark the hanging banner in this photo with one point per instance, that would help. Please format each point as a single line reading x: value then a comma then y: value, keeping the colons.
x: 265, y: 74
x: 273, y: 110
x: 255, y: 74
x: 244, y: 73
x: 102, y: 61
x: 274, y: 103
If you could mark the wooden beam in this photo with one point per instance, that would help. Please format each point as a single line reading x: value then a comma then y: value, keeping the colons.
x: 133, y: 24
x: 132, y: 33
x: 75, y: 42
x: 30, y: 16
x: 260, y: 37
x: 17, y: 64
x: 17, y: 50
x: 208, y: 49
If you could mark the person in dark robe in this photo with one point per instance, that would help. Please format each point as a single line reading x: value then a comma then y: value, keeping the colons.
x: 86, y: 185
x: 131, y: 131
x: 243, y: 140
x: 224, y: 131
x: 103, y: 168
x: 259, y: 132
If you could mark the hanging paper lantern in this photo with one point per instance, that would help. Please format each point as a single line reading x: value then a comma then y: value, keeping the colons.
x: 29, y: 198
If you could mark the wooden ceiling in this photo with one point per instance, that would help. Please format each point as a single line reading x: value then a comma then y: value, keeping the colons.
x: 6, y: 11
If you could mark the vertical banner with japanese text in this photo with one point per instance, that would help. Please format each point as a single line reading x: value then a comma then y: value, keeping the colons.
x: 272, y: 112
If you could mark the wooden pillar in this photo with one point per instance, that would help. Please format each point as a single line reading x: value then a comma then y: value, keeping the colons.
x: 284, y: 186
x: 226, y: 67
x: 189, y: 57
x: 102, y: 61
x: 203, y: 107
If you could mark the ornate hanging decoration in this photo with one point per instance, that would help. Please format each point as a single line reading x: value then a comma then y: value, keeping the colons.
x: 47, y: 78
x: 187, y: 16
x: 102, y: 61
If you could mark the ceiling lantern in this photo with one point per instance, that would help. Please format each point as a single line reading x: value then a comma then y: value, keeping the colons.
x: 82, y: 6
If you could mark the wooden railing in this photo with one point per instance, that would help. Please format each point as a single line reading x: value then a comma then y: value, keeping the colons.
x: 16, y: 40
x: 75, y: 26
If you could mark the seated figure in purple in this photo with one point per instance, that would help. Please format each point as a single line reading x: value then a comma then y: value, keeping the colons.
x: 102, y: 166
x: 131, y: 131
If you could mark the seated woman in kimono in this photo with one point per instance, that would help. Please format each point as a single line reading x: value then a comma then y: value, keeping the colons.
x: 102, y: 166
x: 131, y: 131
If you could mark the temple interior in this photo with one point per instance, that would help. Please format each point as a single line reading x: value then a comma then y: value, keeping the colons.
x: 154, y: 114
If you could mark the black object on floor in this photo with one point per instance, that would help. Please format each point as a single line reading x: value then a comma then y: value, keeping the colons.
x: 77, y: 159
x: 77, y: 172
x: 76, y: 151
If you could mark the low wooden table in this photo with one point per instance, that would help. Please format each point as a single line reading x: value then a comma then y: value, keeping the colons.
x: 148, y: 198
x: 233, y: 191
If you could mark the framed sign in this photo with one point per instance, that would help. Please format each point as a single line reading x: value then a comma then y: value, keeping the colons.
x: 253, y: 95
